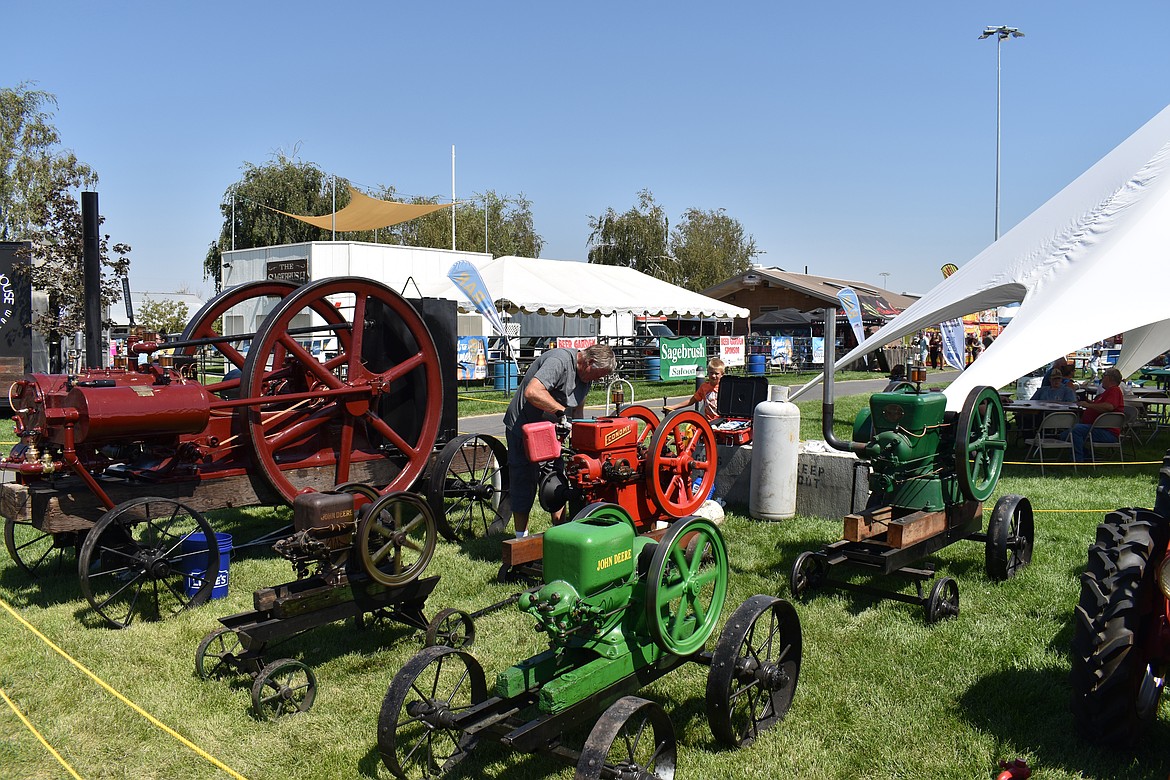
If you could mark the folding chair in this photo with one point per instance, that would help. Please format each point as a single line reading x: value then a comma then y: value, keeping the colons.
x: 1108, y: 420
x: 1052, y: 434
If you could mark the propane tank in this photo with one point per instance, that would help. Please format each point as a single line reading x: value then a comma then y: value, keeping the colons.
x: 775, y: 447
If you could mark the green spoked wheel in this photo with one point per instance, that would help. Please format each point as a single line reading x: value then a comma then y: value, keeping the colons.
x: 686, y: 591
x: 980, y: 442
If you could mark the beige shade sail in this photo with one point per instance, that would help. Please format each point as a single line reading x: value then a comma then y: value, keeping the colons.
x: 366, y: 213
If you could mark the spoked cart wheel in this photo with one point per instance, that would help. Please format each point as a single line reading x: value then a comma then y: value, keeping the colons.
x: 416, y: 738
x: 370, y: 414
x: 634, y: 738
x: 682, y: 449
x: 38, y: 553
x: 980, y: 442
x: 136, y: 561
x: 1009, y: 537
x: 218, y: 653
x: 396, y: 538
x: 810, y: 570
x: 647, y: 421
x: 451, y: 628
x: 283, y: 687
x: 468, y: 486
x: 943, y: 601
x: 685, y: 594
x: 754, y: 670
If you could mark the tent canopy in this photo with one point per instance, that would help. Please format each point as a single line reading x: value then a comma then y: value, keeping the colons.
x: 523, y: 284
x: 1086, y: 265
x: 782, y: 317
x: 366, y: 213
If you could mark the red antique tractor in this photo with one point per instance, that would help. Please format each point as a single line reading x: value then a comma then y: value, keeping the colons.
x: 1121, y: 639
x: 117, y: 465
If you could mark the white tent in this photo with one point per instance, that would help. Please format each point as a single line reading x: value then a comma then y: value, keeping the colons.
x: 566, y: 287
x: 1086, y: 265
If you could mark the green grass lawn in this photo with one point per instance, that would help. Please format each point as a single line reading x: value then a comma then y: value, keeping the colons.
x: 881, y: 694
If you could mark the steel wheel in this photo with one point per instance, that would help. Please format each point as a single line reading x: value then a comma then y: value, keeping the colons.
x: 416, y: 733
x: 809, y: 571
x: 1119, y: 666
x: 682, y: 448
x: 218, y: 654
x: 754, y: 670
x: 38, y: 553
x: 134, y: 562
x: 468, y: 487
x: 685, y: 594
x: 633, y: 738
x: 943, y: 601
x: 284, y: 687
x: 396, y: 538
x: 1009, y: 537
x: 647, y: 421
x: 233, y: 353
x: 451, y: 628
x: 980, y: 441
x: 370, y: 414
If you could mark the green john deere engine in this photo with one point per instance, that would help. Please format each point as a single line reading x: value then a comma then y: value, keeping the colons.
x: 910, y: 444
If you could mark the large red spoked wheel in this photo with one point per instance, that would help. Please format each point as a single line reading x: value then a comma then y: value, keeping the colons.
x: 371, y: 413
x: 680, y: 468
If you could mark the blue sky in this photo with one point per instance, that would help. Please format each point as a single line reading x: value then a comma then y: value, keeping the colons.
x: 851, y: 138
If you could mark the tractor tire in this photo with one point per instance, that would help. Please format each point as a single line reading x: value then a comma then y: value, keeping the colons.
x: 1120, y: 606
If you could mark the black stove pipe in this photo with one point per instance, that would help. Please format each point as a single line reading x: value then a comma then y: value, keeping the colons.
x: 91, y: 264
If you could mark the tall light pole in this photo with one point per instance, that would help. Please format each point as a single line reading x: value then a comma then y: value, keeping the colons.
x: 885, y: 275
x: 1001, y: 34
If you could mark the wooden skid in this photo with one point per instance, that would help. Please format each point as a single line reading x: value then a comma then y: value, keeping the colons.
x: 867, y: 524
x: 516, y: 552
x: 909, y: 529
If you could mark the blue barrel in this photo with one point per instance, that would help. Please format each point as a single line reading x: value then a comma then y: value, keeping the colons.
x: 194, y: 564
x: 505, y: 375
x: 757, y: 365
x: 653, y: 369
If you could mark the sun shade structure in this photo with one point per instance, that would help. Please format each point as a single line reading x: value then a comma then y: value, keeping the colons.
x: 1088, y: 264
x: 366, y: 213
x: 524, y: 284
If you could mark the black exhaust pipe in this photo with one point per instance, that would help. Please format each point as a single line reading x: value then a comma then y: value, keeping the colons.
x: 91, y: 265
x: 830, y: 369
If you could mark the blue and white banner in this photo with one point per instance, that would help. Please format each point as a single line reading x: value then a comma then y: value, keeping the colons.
x: 468, y: 279
x: 852, y: 307
x: 954, y: 350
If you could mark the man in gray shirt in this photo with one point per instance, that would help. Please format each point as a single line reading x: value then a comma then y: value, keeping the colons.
x: 556, y: 382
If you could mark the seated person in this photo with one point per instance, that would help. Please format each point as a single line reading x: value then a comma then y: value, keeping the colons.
x: 1056, y: 367
x: 1058, y: 388
x: 1109, y: 399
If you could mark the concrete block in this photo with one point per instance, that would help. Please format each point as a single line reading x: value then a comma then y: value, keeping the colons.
x: 830, y: 483
x: 733, y: 475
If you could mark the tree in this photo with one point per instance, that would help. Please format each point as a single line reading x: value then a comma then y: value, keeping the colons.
x: 638, y: 238
x: 39, y: 203
x: 32, y: 164
x: 706, y: 248
x: 165, y: 316
x: 302, y: 188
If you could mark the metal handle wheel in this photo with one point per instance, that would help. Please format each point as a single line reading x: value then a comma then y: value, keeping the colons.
x: 370, y: 414
x: 633, y: 738
x: 754, y: 670
x: 396, y: 538
x: 283, y: 687
x: 416, y: 736
x: 808, y: 572
x: 218, y: 654
x: 980, y: 442
x: 1009, y: 537
x: 685, y: 593
x: 451, y: 628
x: 682, y: 448
x: 468, y: 487
x: 943, y: 601
x: 140, y: 560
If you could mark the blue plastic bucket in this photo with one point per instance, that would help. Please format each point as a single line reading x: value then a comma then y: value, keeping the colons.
x: 195, y: 565
x: 757, y: 365
x: 505, y: 375
x: 653, y: 369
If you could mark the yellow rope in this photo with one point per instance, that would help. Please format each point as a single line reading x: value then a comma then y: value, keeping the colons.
x: 37, y: 734
x: 109, y: 689
x: 1085, y: 463
x: 483, y: 400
